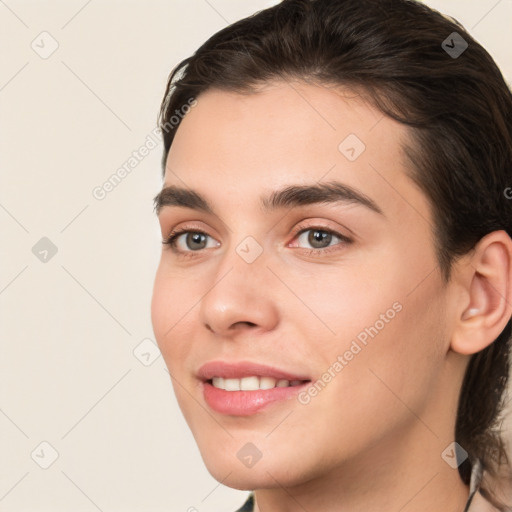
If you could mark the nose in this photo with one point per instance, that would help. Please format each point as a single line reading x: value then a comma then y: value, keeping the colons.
x: 240, y: 297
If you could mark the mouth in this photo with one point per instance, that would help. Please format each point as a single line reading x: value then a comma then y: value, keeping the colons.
x: 242, y: 389
x: 253, y: 383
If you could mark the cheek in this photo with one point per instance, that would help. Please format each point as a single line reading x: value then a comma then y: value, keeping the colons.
x: 161, y: 310
x: 171, y: 306
x: 385, y: 317
x: 343, y: 305
x: 377, y: 384
x: 392, y: 354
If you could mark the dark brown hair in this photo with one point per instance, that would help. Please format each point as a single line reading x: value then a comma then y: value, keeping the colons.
x: 458, y: 108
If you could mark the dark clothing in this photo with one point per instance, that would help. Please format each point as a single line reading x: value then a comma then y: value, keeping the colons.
x: 248, y: 506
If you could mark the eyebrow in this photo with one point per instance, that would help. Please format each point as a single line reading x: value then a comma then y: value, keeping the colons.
x: 288, y: 197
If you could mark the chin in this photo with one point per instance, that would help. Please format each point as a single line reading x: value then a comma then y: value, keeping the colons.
x: 266, y: 473
x: 244, y: 479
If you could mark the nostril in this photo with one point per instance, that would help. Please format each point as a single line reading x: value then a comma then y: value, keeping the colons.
x: 250, y: 324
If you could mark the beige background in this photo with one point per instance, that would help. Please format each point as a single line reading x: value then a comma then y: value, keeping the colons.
x: 69, y: 326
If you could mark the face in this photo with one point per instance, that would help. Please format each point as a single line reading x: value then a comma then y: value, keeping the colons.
x: 331, y: 288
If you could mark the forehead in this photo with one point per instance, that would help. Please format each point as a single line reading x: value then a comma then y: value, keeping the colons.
x: 292, y: 133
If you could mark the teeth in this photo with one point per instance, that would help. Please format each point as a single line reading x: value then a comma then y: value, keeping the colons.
x: 232, y: 384
x: 218, y: 382
x: 252, y: 383
x: 249, y: 383
x: 267, y: 382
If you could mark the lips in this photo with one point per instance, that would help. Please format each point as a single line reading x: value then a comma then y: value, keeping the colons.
x: 234, y: 400
x: 245, y: 369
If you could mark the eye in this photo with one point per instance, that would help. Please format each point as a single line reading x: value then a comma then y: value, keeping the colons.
x: 188, y: 241
x: 191, y: 241
x: 320, y: 238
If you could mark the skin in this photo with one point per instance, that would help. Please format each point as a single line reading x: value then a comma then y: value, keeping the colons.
x: 372, y: 439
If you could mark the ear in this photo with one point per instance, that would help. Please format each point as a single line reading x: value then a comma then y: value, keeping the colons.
x: 487, y: 305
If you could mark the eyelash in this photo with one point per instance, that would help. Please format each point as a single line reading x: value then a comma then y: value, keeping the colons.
x: 173, y: 236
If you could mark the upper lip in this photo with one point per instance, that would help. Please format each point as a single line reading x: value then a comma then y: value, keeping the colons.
x: 238, y: 370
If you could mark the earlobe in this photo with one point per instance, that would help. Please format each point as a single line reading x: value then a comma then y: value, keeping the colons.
x: 489, y: 288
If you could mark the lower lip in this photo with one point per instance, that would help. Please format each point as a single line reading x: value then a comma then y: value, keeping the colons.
x: 245, y: 403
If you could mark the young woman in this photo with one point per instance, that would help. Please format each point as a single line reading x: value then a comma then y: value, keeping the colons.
x: 334, y: 296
